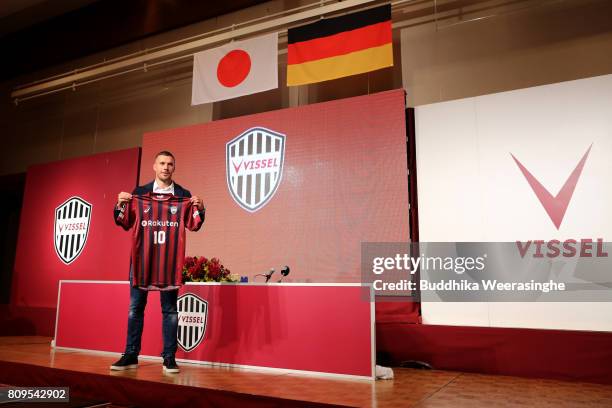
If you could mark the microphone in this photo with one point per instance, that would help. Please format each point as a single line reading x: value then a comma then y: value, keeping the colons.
x: 269, y: 274
x: 284, y: 272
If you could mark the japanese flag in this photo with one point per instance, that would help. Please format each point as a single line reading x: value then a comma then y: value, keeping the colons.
x: 235, y: 69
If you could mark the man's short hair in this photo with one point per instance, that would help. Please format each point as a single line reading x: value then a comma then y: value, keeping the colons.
x: 164, y: 153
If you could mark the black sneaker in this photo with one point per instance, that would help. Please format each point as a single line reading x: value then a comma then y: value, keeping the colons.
x: 126, y: 362
x: 170, y: 365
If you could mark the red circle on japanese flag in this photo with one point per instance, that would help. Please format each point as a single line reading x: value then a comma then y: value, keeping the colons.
x: 233, y: 68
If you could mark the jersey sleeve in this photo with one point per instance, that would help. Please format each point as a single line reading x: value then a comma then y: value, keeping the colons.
x: 125, y: 215
x: 117, y: 209
x: 194, y: 218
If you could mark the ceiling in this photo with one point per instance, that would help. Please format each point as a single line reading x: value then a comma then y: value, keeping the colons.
x: 35, y: 34
x: 16, y: 15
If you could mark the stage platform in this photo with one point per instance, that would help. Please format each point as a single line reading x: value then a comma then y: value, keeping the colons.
x: 30, y: 361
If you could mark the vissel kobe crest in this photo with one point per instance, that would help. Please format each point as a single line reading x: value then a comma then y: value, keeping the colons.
x: 192, y: 317
x: 254, y: 166
x: 71, y: 228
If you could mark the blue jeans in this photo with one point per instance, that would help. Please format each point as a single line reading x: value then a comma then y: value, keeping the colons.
x: 138, y: 302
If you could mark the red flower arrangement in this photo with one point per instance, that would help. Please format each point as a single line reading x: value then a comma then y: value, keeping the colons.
x: 202, y: 269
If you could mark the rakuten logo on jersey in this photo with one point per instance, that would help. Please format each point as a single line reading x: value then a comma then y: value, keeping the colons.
x: 158, y: 223
x: 556, y: 207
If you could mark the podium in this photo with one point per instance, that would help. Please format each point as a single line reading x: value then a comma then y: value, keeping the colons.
x: 310, y: 328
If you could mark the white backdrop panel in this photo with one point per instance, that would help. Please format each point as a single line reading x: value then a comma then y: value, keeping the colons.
x: 471, y: 189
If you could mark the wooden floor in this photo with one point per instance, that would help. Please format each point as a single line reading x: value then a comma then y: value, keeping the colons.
x: 410, y: 388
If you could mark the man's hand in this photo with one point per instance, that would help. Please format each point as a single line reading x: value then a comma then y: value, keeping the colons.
x: 123, y: 197
x: 197, y: 201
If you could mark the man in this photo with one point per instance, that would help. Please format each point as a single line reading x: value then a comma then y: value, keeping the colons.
x: 163, y: 184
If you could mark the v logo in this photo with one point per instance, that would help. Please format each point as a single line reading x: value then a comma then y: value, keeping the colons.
x: 555, y: 206
x: 238, y: 166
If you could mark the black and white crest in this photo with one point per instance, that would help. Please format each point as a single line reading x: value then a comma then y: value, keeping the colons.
x: 254, y: 167
x: 192, y: 316
x: 71, y: 228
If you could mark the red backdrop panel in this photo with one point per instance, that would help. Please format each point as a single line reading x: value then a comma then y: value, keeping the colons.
x: 96, y: 179
x: 344, y: 182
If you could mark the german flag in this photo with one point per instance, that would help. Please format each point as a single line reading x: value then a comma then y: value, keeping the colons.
x: 338, y: 47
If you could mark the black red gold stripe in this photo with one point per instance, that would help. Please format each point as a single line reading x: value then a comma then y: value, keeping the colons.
x: 341, y: 43
x: 331, y: 26
x: 338, y: 47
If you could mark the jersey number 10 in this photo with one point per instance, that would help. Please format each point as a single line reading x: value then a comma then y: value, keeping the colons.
x: 159, y: 237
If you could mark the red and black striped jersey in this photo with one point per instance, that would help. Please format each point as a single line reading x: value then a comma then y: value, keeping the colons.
x: 158, y: 240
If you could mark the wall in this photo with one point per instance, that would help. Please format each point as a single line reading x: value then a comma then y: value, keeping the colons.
x: 452, y: 49
x: 114, y: 113
x: 482, y: 48
x: 493, y: 46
